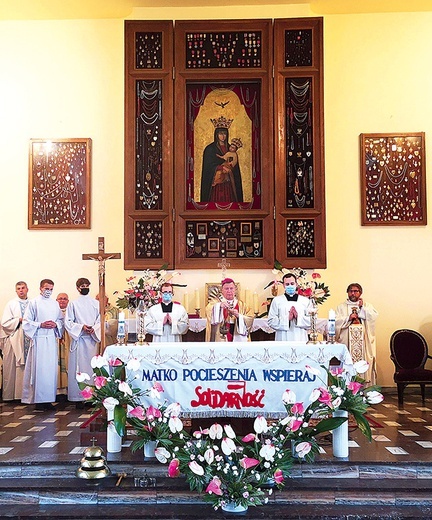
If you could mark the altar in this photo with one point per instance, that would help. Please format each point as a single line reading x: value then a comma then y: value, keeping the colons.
x: 233, y: 379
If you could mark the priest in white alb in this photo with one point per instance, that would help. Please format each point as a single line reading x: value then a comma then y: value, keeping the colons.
x: 82, y: 322
x: 43, y: 324
x: 288, y: 314
x: 167, y: 320
x: 15, y: 344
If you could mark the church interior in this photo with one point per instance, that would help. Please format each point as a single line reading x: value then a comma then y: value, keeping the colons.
x: 63, y: 77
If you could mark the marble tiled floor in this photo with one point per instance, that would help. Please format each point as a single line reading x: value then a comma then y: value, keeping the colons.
x: 389, y: 478
x: 29, y: 436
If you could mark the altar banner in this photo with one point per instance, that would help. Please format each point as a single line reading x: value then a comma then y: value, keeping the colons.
x: 236, y: 380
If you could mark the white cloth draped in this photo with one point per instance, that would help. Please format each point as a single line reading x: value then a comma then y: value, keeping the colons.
x: 153, y: 323
x: 286, y: 329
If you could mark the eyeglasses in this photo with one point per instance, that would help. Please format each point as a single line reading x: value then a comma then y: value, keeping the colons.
x: 167, y: 292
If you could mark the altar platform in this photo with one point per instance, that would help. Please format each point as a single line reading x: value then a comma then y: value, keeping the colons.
x: 388, y: 478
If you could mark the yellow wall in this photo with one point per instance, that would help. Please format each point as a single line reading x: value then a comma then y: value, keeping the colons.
x: 64, y: 78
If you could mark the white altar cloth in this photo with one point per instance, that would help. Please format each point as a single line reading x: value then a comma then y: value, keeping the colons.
x: 241, y: 380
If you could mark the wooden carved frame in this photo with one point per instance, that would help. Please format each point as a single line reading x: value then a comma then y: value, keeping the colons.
x: 393, y: 179
x: 59, y: 184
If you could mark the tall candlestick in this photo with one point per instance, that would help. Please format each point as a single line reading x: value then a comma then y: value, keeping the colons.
x: 255, y: 303
x: 197, y: 299
x: 186, y: 301
x: 121, y: 316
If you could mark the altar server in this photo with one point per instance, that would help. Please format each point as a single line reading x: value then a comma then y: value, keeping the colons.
x: 15, y: 345
x: 168, y: 320
x: 288, y: 313
x: 83, y: 325
x: 355, y: 327
x: 43, y: 323
x: 228, y: 319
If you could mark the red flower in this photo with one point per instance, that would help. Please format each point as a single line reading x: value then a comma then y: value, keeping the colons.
x: 316, y: 275
x: 173, y: 468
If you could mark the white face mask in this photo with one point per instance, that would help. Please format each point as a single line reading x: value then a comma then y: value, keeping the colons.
x: 46, y: 293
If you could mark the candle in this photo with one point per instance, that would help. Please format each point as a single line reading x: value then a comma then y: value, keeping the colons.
x: 121, y: 316
x: 197, y: 299
x: 255, y: 303
x: 186, y: 301
x: 331, y: 326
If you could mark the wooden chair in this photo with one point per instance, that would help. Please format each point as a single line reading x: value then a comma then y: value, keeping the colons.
x: 409, y: 353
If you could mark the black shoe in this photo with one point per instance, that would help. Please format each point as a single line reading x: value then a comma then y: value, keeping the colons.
x: 48, y: 407
x: 40, y: 407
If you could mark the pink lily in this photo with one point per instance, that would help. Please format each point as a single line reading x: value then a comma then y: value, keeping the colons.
x: 100, y: 381
x: 354, y: 387
x: 278, y: 476
x: 297, y: 408
x: 214, y: 487
x: 248, y: 462
x: 87, y: 393
x: 138, y: 412
x: 173, y: 468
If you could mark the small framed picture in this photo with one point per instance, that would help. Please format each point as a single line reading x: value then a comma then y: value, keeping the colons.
x: 393, y: 179
x: 231, y: 244
x: 246, y: 229
x: 59, y: 184
x: 202, y: 231
x: 213, y: 244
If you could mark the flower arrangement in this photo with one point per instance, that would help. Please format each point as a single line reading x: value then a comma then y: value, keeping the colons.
x: 344, y: 391
x: 160, y: 423
x: 311, y: 288
x: 302, y: 425
x: 145, y: 289
x: 230, y: 469
x: 111, y: 390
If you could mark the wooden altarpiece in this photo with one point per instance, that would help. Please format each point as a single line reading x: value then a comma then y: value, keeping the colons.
x: 214, y: 168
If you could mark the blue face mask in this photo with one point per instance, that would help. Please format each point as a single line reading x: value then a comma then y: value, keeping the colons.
x: 167, y: 297
x: 290, y: 290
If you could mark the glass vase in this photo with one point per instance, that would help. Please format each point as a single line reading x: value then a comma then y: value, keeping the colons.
x: 149, y: 449
x: 233, y: 507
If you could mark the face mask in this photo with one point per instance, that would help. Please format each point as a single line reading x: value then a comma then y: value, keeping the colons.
x: 85, y: 290
x: 167, y: 297
x: 290, y: 290
x: 46, y: 293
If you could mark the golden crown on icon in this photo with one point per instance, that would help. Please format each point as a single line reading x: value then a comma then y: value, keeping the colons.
x: 221, y: 122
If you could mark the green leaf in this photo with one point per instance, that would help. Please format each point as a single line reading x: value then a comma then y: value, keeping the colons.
x: 329, y: 424
x: 363, y: 425
x: 120, y: 420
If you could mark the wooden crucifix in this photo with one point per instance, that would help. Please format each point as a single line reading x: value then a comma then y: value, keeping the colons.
x: 101, y: 257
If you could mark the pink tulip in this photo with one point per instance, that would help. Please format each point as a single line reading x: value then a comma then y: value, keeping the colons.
x: 297, y: 408
x: 296, y: 425
x: 153, y: 413
x: 278, y: 476
x: 157, y: 386
x: 248, y: 462
x: 354, y: 387
x: 325, y: 396
x: 100, y: 381
x: 115, y: 362
x: 250, y: 437
x: 138, y: 412
x: 214, y: 487
x: 173, y: 468
x: 87, y: 393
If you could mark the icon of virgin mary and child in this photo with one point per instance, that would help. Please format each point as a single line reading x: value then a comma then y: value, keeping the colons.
x: 221, y: 178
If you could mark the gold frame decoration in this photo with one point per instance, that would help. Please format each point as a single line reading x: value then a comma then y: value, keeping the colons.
x: 393, y: 179
x: 59, y: 184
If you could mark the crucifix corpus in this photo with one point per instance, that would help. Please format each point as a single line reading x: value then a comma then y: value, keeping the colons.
x: 101, y: 258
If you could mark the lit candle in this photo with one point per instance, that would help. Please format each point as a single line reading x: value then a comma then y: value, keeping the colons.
x: 186, y: 301
x: 197, y: 299
x: 255, y: 302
